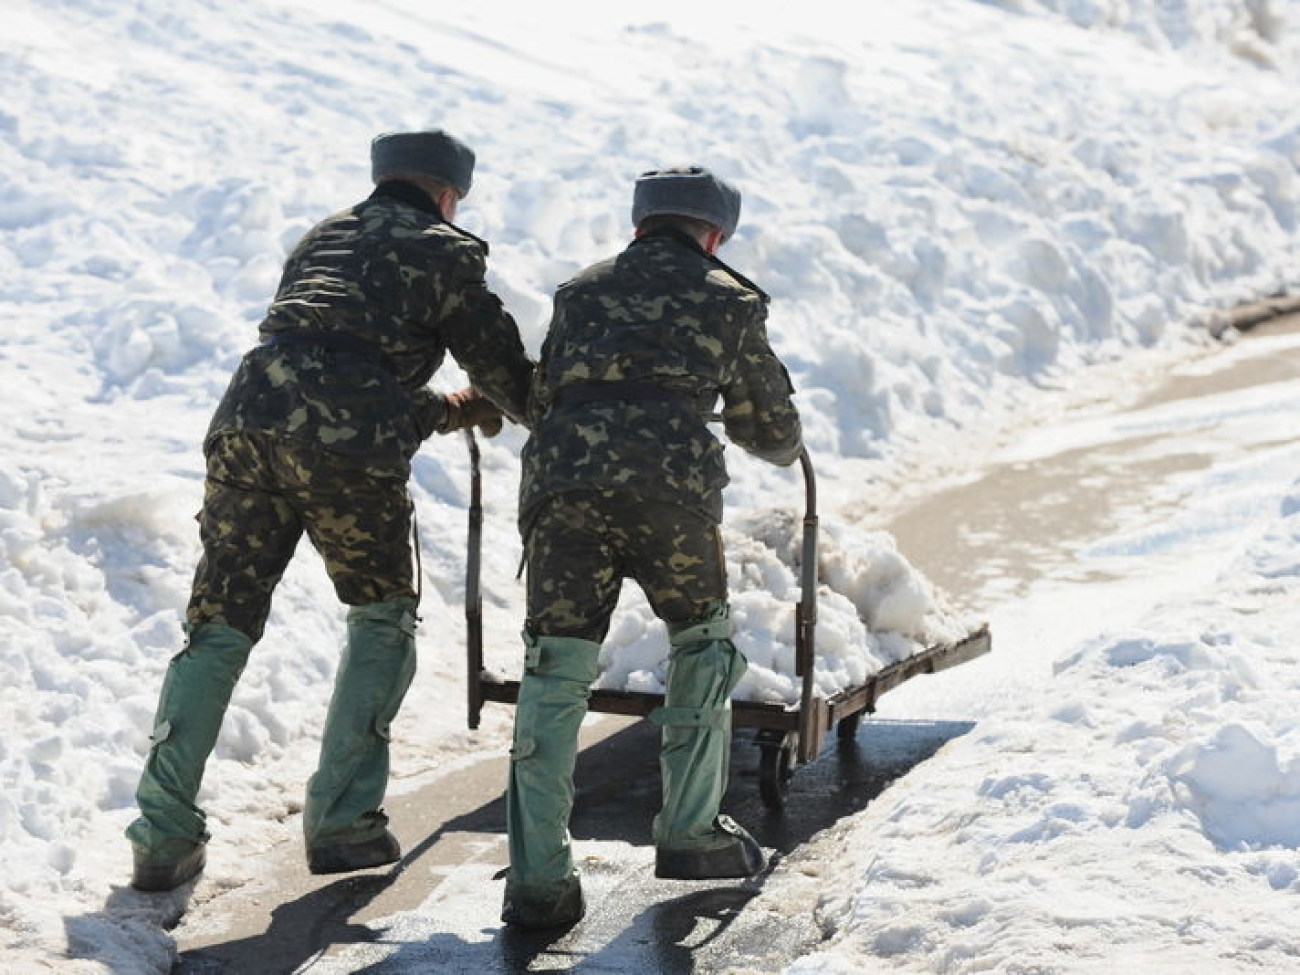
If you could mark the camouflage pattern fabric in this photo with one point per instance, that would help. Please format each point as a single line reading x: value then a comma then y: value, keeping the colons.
x: 666, y: 313
x: 261, y: 494
x: 390, y: 276
x: 582, y: 545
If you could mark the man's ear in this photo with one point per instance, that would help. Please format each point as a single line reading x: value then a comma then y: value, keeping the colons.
x: 713, y: 240
x: 448, y: 199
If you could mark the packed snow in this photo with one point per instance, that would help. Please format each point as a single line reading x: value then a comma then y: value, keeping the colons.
x: 963, y: 211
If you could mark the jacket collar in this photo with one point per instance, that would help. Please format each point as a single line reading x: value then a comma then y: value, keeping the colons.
x: 689, y: 242
x: 412, y: 195
x: 408, y: 193
x: 671, y: 233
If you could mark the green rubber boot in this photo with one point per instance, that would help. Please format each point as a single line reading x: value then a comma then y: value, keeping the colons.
x: 169, y: 838
x: 542, y: 888
x: 343, y: 826
x: 693, y: 842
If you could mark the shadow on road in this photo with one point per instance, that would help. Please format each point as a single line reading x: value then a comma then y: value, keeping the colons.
x: 635, y: 923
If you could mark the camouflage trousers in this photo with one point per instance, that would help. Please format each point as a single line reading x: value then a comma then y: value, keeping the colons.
x: 581, y: 545
x: 261, y: 494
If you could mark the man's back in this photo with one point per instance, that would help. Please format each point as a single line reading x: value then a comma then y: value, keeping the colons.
x: 661, y: 317
x: 370, y: 301
x: 381, y: 271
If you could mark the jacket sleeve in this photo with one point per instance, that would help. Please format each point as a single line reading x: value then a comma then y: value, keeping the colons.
x: 484, y: 340
x: 427, y: 410
x: 757, y: 409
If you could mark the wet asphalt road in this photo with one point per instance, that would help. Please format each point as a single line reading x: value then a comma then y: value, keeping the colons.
x: 635, y: 923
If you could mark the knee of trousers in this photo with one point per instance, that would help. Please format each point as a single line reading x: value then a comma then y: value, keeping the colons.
x: 704, y: 664
x: 558, y: 673
x: 561, y: 658
x: 399, y: 614
x: 714, y: 624
x: 691, y: 719
x: 205, y: 672
x: 546, y: 726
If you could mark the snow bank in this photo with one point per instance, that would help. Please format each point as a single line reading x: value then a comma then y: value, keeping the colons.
x: 946, y: 202
x: 1252, y: 30
x: 1169, y: 752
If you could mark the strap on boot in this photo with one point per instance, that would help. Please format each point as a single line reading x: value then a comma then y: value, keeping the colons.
x: 561, y: 657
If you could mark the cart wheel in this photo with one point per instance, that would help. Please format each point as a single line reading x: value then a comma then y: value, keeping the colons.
x: 847, y: 727
x: 776, y: 768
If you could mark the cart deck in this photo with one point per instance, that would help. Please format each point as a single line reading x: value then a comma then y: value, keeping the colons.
x: 787, y: 734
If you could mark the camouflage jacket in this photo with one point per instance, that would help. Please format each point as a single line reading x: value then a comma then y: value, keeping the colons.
x: 640, y: 348
x: 370, y: 302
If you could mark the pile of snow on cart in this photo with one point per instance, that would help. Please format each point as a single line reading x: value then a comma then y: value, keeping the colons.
x: 873, y: 609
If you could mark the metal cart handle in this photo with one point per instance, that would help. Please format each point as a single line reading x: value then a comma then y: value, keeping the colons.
x: 473, y: 588
x: 805, y: 633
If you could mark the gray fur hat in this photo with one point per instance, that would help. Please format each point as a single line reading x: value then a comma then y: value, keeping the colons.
x: 687, y: 191
x: 433, y: 153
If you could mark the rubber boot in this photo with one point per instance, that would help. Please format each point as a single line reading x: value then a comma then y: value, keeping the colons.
x: 343, y: 826
x: 169, y: 838
x: 542, y: 888
x: 692, y: 842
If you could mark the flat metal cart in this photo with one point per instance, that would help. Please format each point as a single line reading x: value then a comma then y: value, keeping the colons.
x: 788, y: 735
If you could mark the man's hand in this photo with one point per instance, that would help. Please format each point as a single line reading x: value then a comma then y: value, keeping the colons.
x: 468, y: 408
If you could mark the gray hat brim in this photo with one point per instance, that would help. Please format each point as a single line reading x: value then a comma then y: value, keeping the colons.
x: 687, y: 192
x: 433, y: 153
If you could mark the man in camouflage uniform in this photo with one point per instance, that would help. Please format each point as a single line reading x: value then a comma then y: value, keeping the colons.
x: 315, y: 434
x: 622, y: 479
